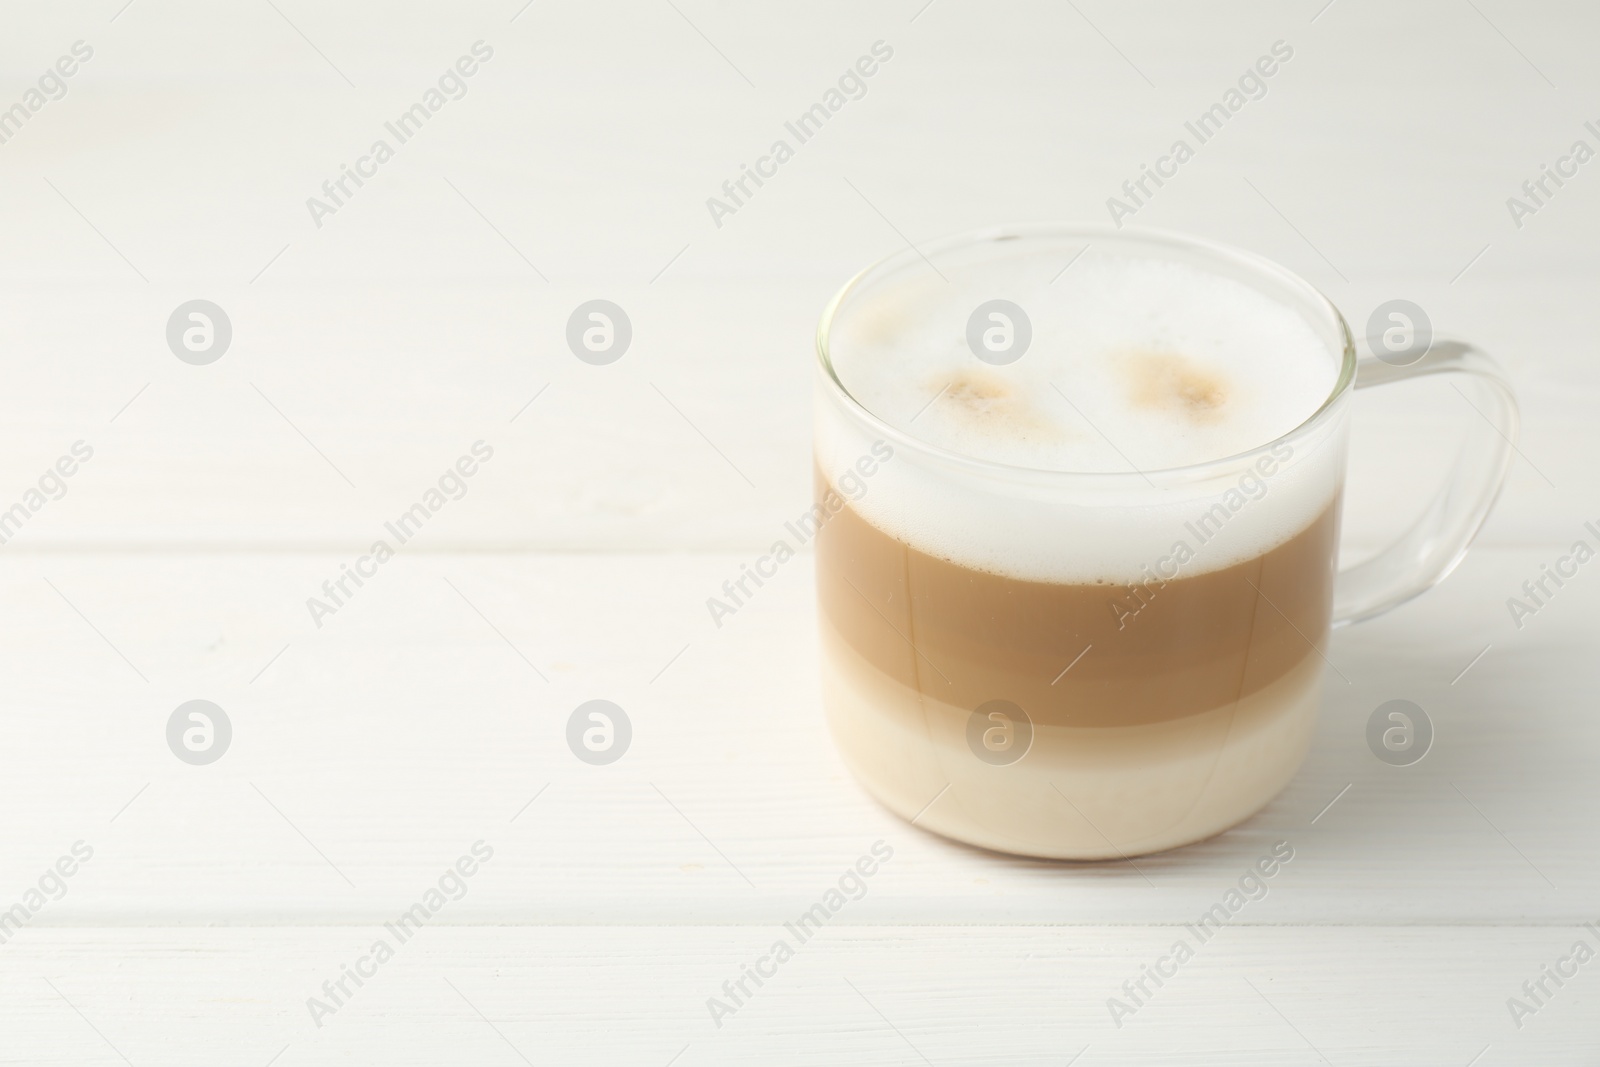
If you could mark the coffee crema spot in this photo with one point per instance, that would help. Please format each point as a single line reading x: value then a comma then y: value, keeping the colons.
x: 1175, y: 383
x: 985, y: 399
x: 980, y: 392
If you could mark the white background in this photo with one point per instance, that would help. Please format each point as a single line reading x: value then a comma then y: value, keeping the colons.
x: 369, y: 353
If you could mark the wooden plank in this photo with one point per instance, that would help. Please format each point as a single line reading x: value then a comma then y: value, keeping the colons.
x: 689, y: 446
x: 371, y: 752
x: 433, y: 306
x: 851, y: 994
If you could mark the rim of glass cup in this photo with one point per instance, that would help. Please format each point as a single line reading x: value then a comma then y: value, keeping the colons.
x: 1260, y: 268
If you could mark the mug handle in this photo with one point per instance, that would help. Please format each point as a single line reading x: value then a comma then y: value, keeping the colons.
x: 1438, y: 539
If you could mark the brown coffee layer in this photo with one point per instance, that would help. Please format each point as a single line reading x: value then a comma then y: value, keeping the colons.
x: 1158, y: 651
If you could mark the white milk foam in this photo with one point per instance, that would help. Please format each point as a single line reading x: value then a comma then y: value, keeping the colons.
x: 1135, y: 364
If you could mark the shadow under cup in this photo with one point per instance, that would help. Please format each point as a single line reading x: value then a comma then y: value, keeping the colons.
x: 1101, y: 717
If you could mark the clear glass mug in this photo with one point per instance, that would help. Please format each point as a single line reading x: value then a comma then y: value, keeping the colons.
x: 1022, y: 717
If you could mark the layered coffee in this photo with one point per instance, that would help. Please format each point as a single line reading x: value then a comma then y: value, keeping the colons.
x: 1079, y: 606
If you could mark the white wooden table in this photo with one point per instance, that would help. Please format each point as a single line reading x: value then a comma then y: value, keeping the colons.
x: 429, y: 711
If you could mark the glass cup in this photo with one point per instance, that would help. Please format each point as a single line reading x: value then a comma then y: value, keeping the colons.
x: 1094, y: 719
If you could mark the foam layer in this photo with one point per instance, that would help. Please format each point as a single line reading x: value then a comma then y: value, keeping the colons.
x: 1134, y: 365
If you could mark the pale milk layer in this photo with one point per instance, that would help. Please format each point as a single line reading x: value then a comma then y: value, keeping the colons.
x: 1077, y: 793
x: 1134, y: 365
